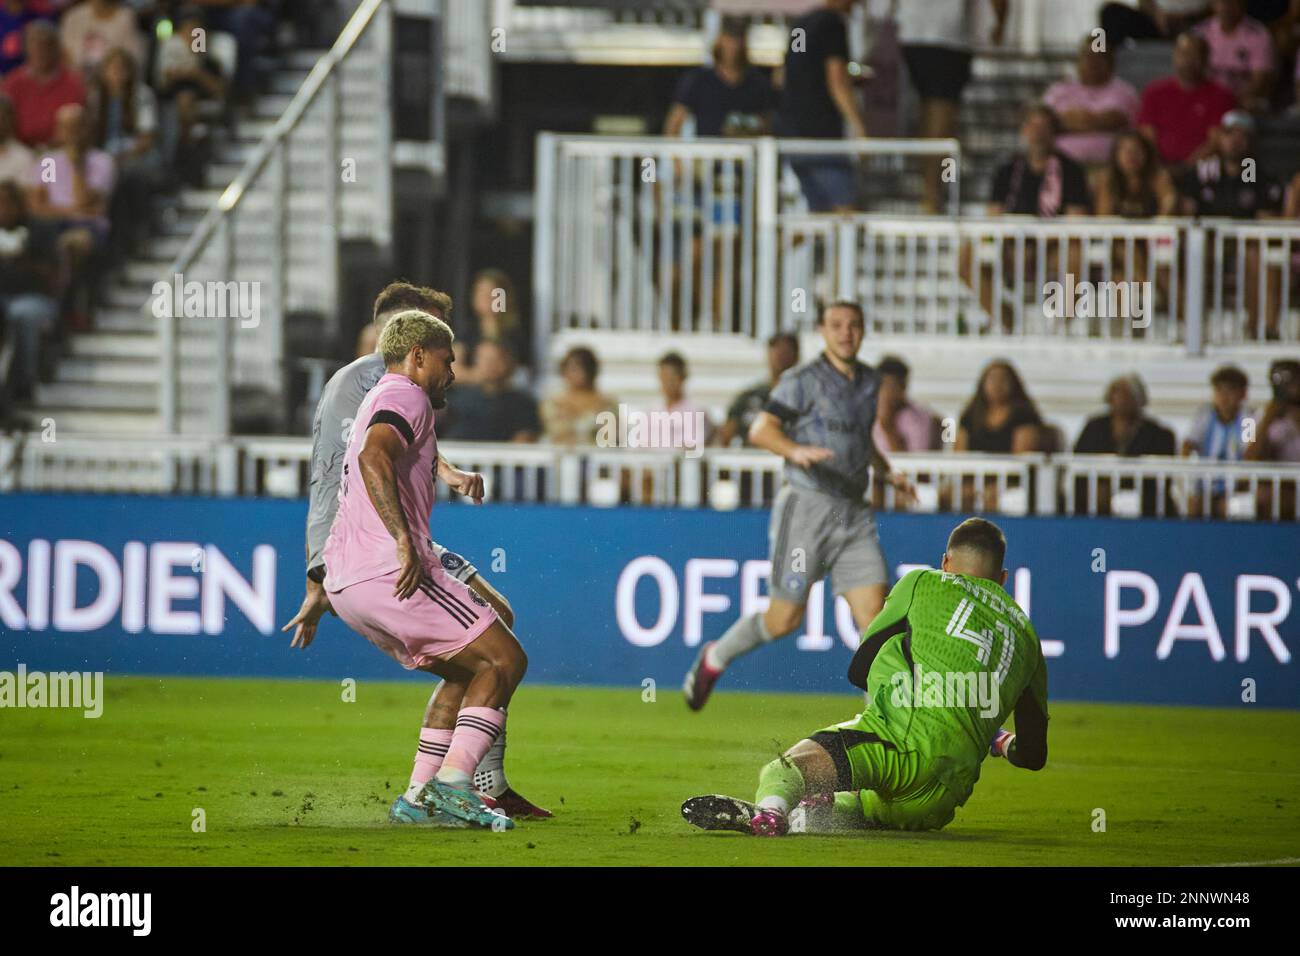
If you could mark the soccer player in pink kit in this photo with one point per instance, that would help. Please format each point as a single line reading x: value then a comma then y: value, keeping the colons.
x: 386, y: 582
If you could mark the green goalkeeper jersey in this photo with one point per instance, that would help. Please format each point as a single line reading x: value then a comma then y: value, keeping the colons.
x: 956, y: 652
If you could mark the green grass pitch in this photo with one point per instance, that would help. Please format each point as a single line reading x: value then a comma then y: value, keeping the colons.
x: 287, y: 773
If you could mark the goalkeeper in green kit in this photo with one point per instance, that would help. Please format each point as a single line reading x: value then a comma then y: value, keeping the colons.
x: 945, y: 662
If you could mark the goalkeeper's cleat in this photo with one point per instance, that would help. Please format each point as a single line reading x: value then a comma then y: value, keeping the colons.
x: 1001, y: 744
x: 769, y: 823
x: 518, y: 807
x: 463, y: 804
x: 404, y: 811
x: 700, y: 680
x: 717, y: 812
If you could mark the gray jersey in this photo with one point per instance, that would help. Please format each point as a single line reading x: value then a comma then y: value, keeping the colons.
x: 331, y: 427
x: 819, y: 406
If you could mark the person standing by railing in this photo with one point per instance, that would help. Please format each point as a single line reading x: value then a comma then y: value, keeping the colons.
x: 819, y: 420
x: 818, y: 102
x: 1278, y: 437
x: 937, y: 39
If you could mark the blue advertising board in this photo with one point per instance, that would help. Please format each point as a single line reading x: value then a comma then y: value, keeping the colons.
x: 1128, y: 610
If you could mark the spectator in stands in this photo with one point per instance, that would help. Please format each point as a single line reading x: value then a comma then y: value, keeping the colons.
x: 936, y: 38
x: 1228, y: 184
x: 1241, y: 54
x: 1133, y: 184
x: 1179, y: 112
x: 493, y: 315
x: 27, y: 311
x: 126, y: 121
x: 492, y: 409
x: 570, y: 417
x: 728, y: 98
x: 672, y: 385
x: 70, y: 189
x: 1125, y: 431
x: 1278, y: 434
x: 782, y: 354
x: 1000, y: 418
x: 15, y: 158
x: 252, y: 24
x: 1219, y: 432
x: 1150, y: 19
x: 93, y: 28
x: 14, y: 17
x: 186, y: 77
x: 42, y: 85
x: 901, y: 424
x: 1277, y: 439
x: 1094, y: 106
x: 1038, y: 181
x: 818, y: 101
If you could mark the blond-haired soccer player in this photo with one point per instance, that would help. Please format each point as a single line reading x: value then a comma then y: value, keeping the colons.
x: 386, y: 581
x: 335, y: 413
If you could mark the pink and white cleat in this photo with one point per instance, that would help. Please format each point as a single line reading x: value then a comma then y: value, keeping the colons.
x: 768, y: 823
x: 700, y: 680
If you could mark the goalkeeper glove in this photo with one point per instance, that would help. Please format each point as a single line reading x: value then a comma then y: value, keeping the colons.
x: 1002, y: 742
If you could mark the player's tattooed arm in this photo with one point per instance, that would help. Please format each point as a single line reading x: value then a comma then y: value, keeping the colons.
x: 376, y: 460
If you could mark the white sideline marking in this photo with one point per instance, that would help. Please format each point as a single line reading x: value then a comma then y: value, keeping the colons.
x: 1285, y: 861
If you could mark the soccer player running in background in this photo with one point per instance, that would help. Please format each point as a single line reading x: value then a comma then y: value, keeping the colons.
x: 818, y: 418
x: 949, y: 658
x: 335, y: 413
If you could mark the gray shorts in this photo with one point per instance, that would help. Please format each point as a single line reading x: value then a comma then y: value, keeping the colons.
x: 453, y: 563
x: 812, y: 533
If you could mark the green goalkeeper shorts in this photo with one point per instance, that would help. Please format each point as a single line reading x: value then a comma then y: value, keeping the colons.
x: 898, y: 789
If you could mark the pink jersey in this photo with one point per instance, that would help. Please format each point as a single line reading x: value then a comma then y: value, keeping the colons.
x: 359, y: 546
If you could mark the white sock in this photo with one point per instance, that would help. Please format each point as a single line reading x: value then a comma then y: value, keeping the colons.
x: 451, y: 776
x: 490, y: 777
x: 778, y: 804
x: 742, y: 637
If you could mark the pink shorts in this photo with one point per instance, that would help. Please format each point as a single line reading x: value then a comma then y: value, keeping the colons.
x: 434, y: 624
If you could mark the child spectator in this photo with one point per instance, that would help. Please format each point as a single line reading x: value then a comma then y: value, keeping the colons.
x: 672, y: 384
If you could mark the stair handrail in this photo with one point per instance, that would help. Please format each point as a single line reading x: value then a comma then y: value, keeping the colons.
x: 218, y: 218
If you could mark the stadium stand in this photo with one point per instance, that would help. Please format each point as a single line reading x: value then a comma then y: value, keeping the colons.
x: 707, y: 257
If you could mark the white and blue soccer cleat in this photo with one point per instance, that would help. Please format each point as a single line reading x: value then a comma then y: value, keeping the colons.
x: 464, y: 805
x: 405, y: 812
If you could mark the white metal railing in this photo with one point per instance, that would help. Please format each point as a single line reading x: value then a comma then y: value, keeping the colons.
x: 661, y: 234
x: 266, y: 174
x: 721, y: 478
x: 710, y: 235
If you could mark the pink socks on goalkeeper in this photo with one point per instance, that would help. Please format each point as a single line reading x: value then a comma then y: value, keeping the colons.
x: 476, y: 729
